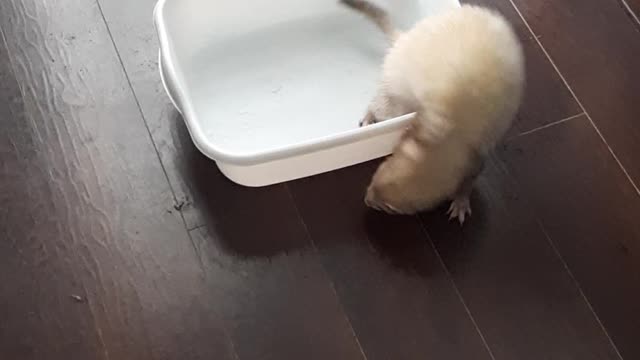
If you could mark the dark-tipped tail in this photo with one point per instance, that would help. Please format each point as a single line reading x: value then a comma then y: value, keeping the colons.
x: 376, y: 14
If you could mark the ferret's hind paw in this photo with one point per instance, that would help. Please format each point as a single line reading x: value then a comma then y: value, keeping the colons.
x: 460, y: 208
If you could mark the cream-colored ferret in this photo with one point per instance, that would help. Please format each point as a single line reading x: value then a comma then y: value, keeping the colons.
x: 462, y: 73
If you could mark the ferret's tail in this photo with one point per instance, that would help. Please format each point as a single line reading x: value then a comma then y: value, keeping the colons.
x: 376, y: 14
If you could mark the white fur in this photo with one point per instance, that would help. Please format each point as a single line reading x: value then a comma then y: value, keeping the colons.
x: 462, y: 72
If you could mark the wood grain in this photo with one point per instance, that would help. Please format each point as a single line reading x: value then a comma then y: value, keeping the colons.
x: 263, y: 275
x: 138, y: 46
x: 517, y: 288
x: 236, y: 229
x: 596, y: 46
x: 92, y: 266
x: 121, y: 241
x: 399, y: 298
x: 279, y: 306
x: 632, y: 7
x: 589, y: 211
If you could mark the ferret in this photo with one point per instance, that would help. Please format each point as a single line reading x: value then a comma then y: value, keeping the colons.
x: 462, y: 73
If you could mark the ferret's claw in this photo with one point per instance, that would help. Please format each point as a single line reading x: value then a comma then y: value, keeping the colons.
x: 460, y: 208
x: 368, y: 119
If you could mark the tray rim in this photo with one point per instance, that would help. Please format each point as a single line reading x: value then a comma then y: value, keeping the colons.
x: 175, y: 89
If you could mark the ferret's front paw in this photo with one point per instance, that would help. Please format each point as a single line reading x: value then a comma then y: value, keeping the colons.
x: 368, y: 119
x: 460, y: 208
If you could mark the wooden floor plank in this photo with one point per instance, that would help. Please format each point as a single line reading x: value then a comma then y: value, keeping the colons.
x: 632, y: 7
x: 94, y: 246
x: 240, y: 230
x: 92, y: 265
x: 262, y: 273
x: 546, y: 99
x: 137, y: 43
x: 596, y: 46
x: 590, y: 212
x: 522, y: 297
x: 279, y: 306
x: 399, y: 298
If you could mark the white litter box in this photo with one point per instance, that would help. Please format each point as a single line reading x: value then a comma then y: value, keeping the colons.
x: 273, y: 90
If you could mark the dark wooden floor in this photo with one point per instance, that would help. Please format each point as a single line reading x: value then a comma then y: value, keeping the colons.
x: 119, y: 240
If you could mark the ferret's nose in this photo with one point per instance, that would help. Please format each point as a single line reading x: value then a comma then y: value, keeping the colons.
x: 373, y: 201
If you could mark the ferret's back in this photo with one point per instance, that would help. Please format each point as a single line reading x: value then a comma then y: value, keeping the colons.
x: 467, y: 64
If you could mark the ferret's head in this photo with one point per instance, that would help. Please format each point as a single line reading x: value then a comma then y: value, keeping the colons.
x: 416, y: 177
x: 391, y: 187
x: 398, y: 185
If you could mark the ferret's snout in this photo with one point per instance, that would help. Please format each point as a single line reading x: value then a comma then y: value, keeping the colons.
x: 370, y: 199
x: 373, y: 201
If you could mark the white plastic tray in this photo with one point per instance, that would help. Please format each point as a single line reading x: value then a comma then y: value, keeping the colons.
x: 273, y: 90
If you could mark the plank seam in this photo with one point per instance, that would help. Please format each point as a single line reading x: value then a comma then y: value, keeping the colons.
x: 573, y: 94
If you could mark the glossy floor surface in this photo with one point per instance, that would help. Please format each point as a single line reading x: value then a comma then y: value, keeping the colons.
x: 118, y: 240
